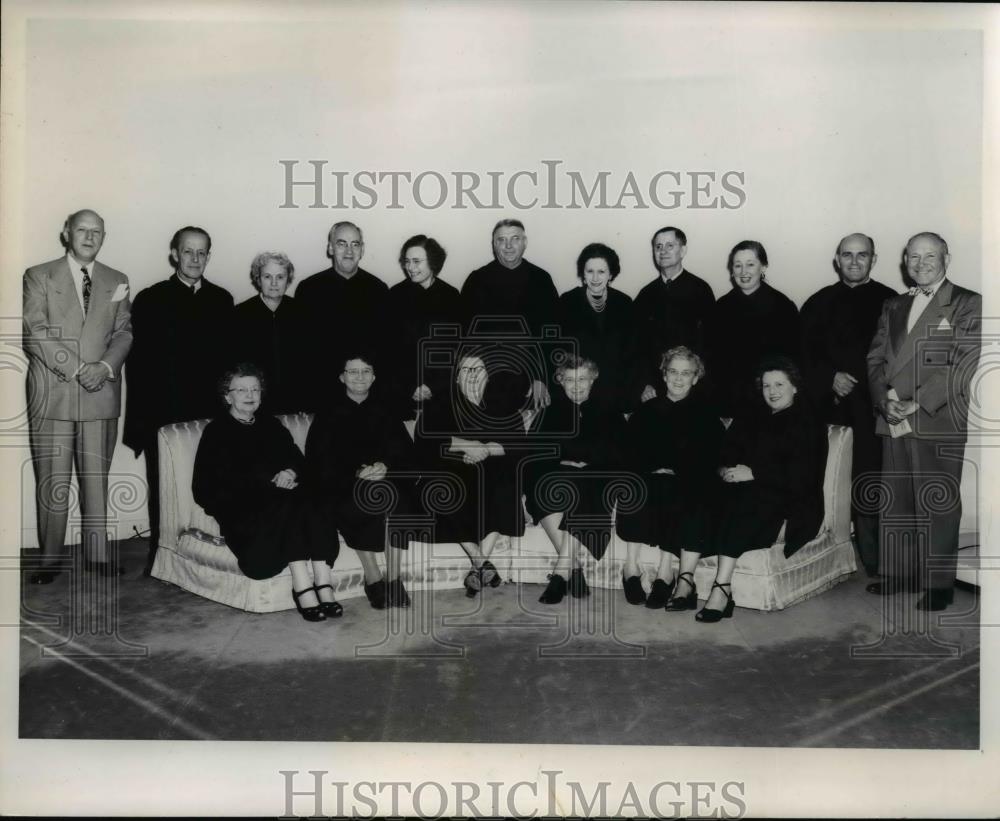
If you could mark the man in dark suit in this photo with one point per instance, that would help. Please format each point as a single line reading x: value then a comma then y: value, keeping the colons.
x: 77, y: 332
x: 838, y: 324
x: 345, y: 309
x: 920, y: 368
x: 511, y: 296
x: 671, y: 310
x: 182, y: 339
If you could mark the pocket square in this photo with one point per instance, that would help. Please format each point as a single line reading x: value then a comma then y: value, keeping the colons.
x: 944, y: 324
x: 120, y: 292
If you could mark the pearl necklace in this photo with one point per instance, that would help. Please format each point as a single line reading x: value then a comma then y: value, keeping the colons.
x: 598, y: 304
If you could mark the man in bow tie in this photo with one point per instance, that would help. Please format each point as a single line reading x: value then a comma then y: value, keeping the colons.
x: 920, y: 368
x: 77, y: 331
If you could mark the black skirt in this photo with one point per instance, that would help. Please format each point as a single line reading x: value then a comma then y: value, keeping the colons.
x: 671, y: 517
x: 581, y: 495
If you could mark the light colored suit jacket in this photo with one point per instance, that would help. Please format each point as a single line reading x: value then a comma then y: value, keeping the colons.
x: 934, y: 363
x: 58, y: 339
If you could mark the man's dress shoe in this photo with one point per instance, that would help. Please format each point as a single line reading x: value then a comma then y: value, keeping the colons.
x: 936, y: 598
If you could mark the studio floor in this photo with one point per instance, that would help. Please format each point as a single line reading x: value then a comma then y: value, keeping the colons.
x: 141, y: 659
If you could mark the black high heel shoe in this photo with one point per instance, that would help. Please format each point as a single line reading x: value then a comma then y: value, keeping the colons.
x: 634, y: 594
x: 555, y: 591
x: 333, y: 609
x: 314, y: 613
x: 711, y: 616
x: 376, y: 594
x: 578, y: 588
x: 688, y: 602
x: 659, y: 594
x: 489, y: 575
x: 473, y: 583
x: 396, y: 595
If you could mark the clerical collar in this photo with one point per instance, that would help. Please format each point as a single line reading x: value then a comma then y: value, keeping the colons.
x: 195, y: 286
x: 668, y: 280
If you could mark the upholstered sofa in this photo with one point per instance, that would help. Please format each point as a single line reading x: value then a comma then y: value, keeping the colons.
x: 193, y: 555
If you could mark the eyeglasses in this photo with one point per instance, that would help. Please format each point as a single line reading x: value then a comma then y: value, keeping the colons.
x: 674, y: 372
x: 244, y: 392
x: 343, y: 244
x: 357, y: 373
x: 472, y: 369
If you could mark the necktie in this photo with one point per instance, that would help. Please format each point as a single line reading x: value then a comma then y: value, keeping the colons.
x: 86, y: 289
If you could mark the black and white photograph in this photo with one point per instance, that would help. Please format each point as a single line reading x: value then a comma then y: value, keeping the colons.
x: 513, y: 409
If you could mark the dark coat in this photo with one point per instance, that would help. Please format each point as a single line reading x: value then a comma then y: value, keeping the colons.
x: 343, y: 317
x: 744, y: 329
x: 181, y: 346
x: 266, y: 527
x: 489, y: 492
x: 526, y: 292
x: 787, y: 452
x: 608, y: 338
x: 685, y: 437
x: 275, y: 342
x: 342, y: 438
x: 669, y: 314
x: 414, y: 312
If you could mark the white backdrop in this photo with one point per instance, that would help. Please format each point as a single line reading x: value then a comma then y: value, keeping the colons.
x: 835, y: 127
x: 159, y: 114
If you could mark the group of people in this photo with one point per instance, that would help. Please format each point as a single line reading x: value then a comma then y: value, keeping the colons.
x: 674, y: 419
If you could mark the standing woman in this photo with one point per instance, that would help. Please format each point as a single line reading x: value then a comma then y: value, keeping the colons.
x: 354, y: 446
x: 600, y: 319
x: 772, y: 469
x: 270, y: 332
x: 470, y: 436
x: 752, y: 321
x: 416, y: 306
x: 247, y: 474
x: 673, y: 443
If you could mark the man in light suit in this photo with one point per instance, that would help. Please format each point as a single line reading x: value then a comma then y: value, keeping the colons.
x: 920, y: 367
x: 77, y: 331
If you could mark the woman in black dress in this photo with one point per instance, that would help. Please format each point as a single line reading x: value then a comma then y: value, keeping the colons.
x: 417, y: 306
x: 247, y: 474
x: 355, y: 447
x: 772, y: 469
x: 599, y: 319
x: 571, y: 495
x: 673, y: 443
x: 469, y: 441
x: 269, y: 332
x: 750, y: 322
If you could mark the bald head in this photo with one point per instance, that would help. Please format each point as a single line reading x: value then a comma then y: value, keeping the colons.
x: 855, y: 258
x: 83, y: 235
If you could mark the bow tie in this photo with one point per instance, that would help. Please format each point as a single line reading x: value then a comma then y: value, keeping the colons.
x: 925, y: 291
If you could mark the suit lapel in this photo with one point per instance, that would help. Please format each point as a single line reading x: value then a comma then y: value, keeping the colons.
x: 69, y: 302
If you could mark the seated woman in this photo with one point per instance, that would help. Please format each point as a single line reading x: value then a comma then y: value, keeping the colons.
x: 464, y: 436
x: 673, y: 442
x: 268, y: 331
x: 247, y: 474
x: 417, y: 305
x: 600, y: 320
x: 772, y: 472
x: 356, y: 440
x: 566, y: 494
